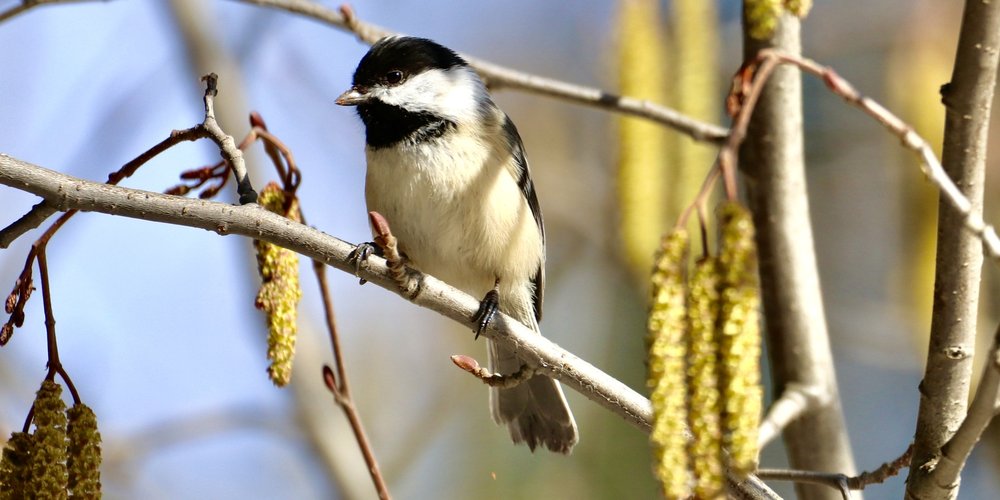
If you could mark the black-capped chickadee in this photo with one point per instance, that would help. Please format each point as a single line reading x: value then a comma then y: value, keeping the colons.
x: 446, y: 168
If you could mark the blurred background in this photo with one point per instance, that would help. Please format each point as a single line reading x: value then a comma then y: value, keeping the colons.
x: 157, y: 326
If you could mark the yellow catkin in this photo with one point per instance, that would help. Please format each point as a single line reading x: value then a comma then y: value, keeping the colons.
x: 704, y: 407
x: 667, y: 350
x: 15, y: 466
x: 280, y: 292
x: 761, y: 17
x: 740, y: 328
x: 695, y: 90
x: 48, y: 477
x: 84, y: 461
x: 642, y: 173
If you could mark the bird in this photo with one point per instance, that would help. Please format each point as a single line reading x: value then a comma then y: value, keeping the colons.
x: 446, y: 167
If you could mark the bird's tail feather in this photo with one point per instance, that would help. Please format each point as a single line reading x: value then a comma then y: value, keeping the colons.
x: 535, y: 411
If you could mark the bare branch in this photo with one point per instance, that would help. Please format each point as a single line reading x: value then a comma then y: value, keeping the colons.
x: 34, y: 218
x: 497, y: 76
x: 226, y: 143
x: 341, y: 388
x: 66, y: 192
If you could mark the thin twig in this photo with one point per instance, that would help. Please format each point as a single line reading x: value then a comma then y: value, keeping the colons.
x: 54, y: 363
x: 909, y: 138
x: 226, y: 143
x: 16, y: 301
x: 840, y: 481
x: 883, y: 472
x: 497, y: 76
x: 341, y: 389
x: 337, y: 383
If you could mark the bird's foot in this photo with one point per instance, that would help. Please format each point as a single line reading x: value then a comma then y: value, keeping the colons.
x: 359, y: 256
x: 488, y: 308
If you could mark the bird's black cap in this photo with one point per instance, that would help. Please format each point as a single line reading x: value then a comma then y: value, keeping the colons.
x: 409, y: 55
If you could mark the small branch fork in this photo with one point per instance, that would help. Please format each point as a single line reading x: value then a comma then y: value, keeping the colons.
x: 209, y: 128
x: 843, y: 483
x: 18, y: 298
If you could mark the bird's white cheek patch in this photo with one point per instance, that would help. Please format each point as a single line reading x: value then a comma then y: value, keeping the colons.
x: 450, y: 94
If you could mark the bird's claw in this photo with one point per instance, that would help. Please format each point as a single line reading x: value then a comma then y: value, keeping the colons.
x: 488, y: 308
x: 360, y: 255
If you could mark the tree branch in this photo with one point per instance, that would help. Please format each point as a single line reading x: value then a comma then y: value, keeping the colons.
x: 66, y: 192
x: 944, y: 389
x: 497, y: 76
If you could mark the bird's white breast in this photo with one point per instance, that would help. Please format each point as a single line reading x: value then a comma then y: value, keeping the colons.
x: 458, y: 213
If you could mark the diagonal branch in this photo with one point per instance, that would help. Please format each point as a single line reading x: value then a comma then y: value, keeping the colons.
x: 66, y: 192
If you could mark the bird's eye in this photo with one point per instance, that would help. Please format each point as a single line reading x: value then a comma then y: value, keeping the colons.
x: 393, y: 77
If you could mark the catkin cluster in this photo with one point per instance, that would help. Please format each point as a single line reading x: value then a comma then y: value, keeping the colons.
x: 61, y: 459
x: 279, y: 292
x: 704, y: 360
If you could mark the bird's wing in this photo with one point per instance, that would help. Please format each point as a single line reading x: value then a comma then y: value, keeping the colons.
x: 527, y: 187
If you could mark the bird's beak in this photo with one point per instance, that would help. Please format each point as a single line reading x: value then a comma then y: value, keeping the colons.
x: 352, y: 97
